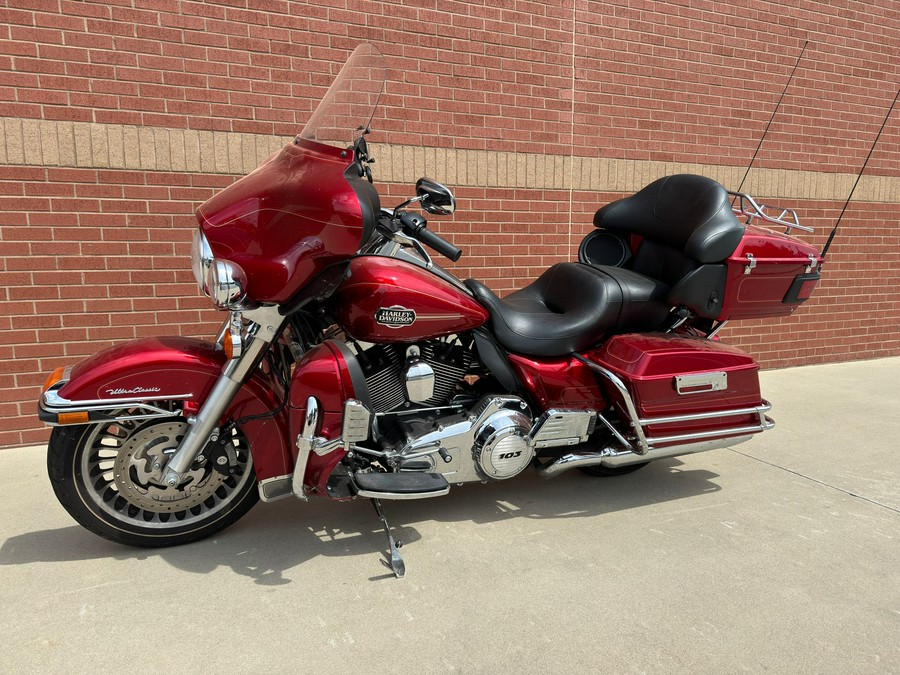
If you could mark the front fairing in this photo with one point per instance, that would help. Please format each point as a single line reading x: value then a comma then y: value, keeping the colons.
x: 288, y: 220
x: 306, y: 207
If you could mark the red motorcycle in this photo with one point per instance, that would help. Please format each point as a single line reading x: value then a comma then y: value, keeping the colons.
x: 351, y: 365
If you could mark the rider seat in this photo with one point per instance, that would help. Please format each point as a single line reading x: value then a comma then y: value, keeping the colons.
x: 687, y: 230
x: 571, y: 307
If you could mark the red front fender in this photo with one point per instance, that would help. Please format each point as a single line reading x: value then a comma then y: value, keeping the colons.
x: 175, y: 367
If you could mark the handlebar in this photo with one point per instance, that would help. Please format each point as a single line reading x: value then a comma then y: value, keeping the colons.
x: 416, y: 226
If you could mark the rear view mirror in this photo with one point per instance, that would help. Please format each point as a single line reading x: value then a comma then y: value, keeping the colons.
x: 434, y: 197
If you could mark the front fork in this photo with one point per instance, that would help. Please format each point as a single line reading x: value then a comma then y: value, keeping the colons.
x: 266, y: 324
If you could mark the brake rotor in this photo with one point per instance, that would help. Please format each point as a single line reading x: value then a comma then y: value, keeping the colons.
x: 139, y: 467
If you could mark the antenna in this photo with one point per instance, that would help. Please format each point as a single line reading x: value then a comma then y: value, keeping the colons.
x: 853, y: 189
x: 774, y: 112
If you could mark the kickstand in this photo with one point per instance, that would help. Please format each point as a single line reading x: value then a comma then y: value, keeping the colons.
x: 396, y: 563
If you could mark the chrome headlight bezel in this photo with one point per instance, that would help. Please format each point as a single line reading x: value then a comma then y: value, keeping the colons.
x: 202, y: 261
x: 227, y: 285
x: 223, y: 281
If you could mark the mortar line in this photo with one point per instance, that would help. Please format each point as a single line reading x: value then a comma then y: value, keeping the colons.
x: 816, y: 480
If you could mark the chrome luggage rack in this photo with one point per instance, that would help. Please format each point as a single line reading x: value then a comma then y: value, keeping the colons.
x: 747, y: 206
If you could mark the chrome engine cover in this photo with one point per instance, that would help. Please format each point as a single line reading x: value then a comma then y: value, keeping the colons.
x: 475, y: 443
x: 496, y: 439
x: 503, y: 447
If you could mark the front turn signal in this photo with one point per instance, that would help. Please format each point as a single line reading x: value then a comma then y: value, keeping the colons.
x: 232, y: 341
x: 55, y: 377
x: 73, y: 418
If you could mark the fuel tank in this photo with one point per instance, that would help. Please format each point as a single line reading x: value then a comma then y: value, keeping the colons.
x: 388, y: 300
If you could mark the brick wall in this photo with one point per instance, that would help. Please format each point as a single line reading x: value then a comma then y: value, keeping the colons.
x: 118, y: 118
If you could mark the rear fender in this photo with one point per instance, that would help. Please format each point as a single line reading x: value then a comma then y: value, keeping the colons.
x: 173, y: 368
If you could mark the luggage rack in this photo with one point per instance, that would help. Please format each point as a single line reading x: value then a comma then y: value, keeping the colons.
x: 747, y: 206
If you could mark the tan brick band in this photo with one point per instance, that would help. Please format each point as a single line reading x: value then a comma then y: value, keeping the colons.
x: 28, y: 142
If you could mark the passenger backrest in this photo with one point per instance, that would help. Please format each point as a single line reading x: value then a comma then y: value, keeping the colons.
x: 686, y: 224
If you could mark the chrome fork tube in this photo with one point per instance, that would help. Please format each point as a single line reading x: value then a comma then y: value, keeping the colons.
x: 202, y: 428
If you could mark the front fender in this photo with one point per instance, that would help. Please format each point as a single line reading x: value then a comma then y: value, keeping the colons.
x: 167, y: 368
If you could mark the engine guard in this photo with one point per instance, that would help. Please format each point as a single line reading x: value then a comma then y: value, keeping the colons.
x: 141, y: 373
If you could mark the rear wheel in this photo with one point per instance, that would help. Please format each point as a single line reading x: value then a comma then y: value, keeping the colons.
x: 109, y: 478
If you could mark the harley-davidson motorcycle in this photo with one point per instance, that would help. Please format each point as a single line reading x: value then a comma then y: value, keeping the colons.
x: 351, y: 365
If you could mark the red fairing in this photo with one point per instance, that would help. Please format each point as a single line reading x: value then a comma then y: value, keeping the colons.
x: 286, y: 221
x: 389, y: 300
x: 559, y: 383
x: 323, y: 373
x: 175, y: 366
x: 777, y: 262
x: 649, y: 363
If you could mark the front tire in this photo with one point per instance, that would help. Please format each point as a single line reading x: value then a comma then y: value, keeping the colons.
x: 109, y: 478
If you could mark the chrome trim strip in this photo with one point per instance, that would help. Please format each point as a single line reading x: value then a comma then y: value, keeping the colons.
x: 714, y: 434
x: 692, y: 384
x: 764, y: 408
x: 52, y: 402
x: 403, y: 495
x: 275, y: 488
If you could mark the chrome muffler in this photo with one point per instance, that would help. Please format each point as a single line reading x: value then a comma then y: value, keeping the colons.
x: 614, y: 457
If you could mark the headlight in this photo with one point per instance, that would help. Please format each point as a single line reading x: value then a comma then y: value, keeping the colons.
x: 221, y: 280
x: 201, y: 261
x: 227, y: 284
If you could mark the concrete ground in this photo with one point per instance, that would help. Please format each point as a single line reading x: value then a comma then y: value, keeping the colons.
x: 780, y: 555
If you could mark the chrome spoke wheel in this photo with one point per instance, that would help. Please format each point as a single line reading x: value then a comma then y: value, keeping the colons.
x: 124, y: 464
x: 109, y: 478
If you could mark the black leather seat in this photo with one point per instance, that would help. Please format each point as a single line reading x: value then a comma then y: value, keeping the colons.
x: 688, y: 230
x: 686, y: 213
x: 571, y: 307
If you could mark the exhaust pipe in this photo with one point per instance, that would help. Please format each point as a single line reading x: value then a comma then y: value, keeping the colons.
x: 613, y: 457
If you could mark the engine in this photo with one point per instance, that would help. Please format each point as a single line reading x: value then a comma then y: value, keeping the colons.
x: 429, y: 419
x: 427, y: 373
x: 490, y: 441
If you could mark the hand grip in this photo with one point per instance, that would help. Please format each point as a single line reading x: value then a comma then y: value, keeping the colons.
x: 416, y: 226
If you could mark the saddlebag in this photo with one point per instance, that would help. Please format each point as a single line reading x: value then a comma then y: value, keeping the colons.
x: 680, y: 390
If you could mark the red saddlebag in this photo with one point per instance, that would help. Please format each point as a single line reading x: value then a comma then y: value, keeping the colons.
x: 682, y: 389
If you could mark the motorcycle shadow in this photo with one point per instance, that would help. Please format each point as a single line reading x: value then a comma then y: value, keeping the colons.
x: 274, y: 538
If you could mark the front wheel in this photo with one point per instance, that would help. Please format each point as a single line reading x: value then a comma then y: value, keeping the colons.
x: 109, y: 478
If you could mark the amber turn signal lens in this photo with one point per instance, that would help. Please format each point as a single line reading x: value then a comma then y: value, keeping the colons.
x: 55, y: 377
x: 73, y: 418
x: 228, y: 345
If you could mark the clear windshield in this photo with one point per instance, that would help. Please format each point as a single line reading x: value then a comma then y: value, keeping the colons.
x: 349, y: 104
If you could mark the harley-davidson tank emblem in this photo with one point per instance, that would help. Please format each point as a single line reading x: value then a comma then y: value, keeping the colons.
x: 136, y: 390
x: 395, y: 317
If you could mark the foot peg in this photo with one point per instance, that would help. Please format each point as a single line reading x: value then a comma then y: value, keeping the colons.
x: 412, y: 485
x: 396, y: 564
